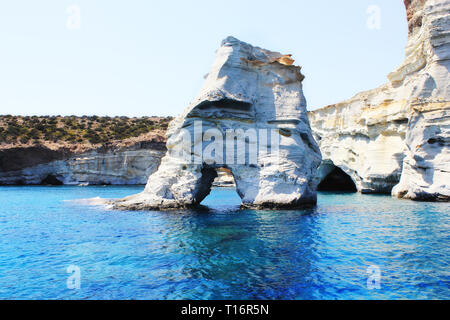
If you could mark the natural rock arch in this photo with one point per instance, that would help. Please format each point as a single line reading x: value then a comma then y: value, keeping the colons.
x: 257, y: 95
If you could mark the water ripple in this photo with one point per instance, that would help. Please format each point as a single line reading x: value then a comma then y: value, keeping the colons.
x: 221, y: 253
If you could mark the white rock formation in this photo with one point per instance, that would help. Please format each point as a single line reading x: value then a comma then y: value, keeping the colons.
x: 400, y: 129
x: 426, y: 167
x: 248, y: 88
x: 126, y: 166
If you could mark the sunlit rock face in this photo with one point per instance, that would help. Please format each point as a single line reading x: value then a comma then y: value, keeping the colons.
x: 253, y: 90
x: 426, y: 167
x: 395, y: 138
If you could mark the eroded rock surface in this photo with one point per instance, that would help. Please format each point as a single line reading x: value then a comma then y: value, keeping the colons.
x: 396, y: 138
x: 116, y: 165
x: 248, y: 88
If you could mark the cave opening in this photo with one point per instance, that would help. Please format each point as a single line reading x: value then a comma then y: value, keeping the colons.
x: 51, y: 180
x: 337, y: 180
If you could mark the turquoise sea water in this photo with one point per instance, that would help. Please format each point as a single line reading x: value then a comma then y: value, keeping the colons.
x: 223, y: 252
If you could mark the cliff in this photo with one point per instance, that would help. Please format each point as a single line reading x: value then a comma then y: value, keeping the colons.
x: 79, y: 150
x: 39, y: 165
x: 396, y: 138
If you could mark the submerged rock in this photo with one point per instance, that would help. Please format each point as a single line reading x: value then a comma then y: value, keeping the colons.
x: 396, y: 138
x: 255, y: 91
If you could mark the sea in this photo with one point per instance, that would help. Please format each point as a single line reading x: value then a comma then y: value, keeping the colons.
x: 350, y: 246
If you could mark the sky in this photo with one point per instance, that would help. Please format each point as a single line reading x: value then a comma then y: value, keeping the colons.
x: 145, y: 58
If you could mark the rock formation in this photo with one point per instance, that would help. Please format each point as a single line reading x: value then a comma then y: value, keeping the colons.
x: 247, y: 89
x: 106, y: 165
x: 396, y: 137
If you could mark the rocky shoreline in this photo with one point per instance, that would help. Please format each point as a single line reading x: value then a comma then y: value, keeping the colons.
x: 109, y: 164
x: 119, y: 163
x: 394, y: 139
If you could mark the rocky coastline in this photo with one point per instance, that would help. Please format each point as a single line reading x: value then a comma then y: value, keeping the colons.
x: 394, y: 139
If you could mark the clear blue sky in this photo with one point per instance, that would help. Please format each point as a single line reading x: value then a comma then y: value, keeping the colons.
x: 138, y: 58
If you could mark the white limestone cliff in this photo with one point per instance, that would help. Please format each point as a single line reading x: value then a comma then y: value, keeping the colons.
x: 248, y: 88
x: 121, y: 166
x: 396, y: 137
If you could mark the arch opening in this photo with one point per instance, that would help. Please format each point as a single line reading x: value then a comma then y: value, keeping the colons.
x: 337, y: 180
x: 221, y: 186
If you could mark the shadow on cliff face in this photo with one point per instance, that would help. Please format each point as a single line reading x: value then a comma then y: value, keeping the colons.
x: 19, y: 158
x: 337, y: 180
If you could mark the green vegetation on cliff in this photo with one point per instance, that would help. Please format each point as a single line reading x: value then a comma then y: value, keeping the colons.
x: 76, y: 130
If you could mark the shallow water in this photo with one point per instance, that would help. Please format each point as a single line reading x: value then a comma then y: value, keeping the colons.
x: 222, y: 253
